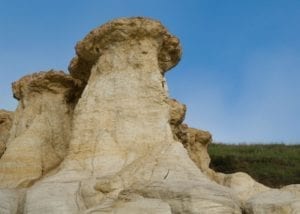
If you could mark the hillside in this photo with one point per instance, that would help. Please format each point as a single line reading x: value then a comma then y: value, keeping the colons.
x: 274, y: 165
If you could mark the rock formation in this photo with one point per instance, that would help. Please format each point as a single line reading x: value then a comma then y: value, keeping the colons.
x: 118, y: 146
x: 194, y: 140
x: 6, y: 118
x: 273, y: 201
x: 39, y: 135
x: 122, y: 149
x: 285, y: 200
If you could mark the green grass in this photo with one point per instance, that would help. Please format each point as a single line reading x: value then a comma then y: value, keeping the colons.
x: 274, y: 165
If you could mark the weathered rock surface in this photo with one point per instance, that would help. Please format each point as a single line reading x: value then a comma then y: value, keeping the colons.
x: 39, y: 135
x: 122, y: 147
x: 195, y: 141
x: 12, y: 201
x: 294, y: 188
x: 121, y: 139
x: 273, y: 201
x: 241, y: 183
x: 6, y: 118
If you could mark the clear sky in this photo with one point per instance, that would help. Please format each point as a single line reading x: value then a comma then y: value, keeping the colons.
x: 240, y: 70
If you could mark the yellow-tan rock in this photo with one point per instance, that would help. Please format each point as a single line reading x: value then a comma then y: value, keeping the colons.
x: 241, y: 183
x: 195, y: 141
x: 121, y: 139
x: 6, y: 118
x: 39, y: 135
x: 273, y: 201
x: 108, y: 139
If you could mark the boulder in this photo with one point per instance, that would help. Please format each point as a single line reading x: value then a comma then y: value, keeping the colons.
x: 273, y: 201
x: 241, y: 183
x: 294, y: 188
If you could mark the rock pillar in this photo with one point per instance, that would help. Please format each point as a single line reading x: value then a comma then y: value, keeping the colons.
x: 122, y: 151
x: 123, y: 112
x: 39, y: 135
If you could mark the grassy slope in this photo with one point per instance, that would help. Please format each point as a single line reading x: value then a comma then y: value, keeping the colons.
x: 274, y: 165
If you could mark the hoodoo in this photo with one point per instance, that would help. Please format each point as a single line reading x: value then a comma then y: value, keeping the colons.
x: 39, y: 135
x: 122, y: 152
x: 108, y: 139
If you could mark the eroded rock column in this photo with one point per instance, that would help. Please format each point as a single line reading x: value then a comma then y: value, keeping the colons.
x: 122, y: 151
x: 123, y: 113
x: 39, y: 136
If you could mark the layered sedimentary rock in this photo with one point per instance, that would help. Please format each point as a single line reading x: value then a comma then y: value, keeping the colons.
x: 283, y: 201
x: 273, y: 201
x: 122, y: 147
x: 39, y: 135
x: 243, y: 185
x: 194, y: 140
x: 6, y: 118
x: 122, y: 151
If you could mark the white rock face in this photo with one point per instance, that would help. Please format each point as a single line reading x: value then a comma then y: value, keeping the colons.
x: 134, y: 204
x: 12, y: 201
x: 241, y: 183
x: 294, y: 188
x: 40, y: 132
x: 117, y: 149
x: 121, y: 140
x: 273, y: 201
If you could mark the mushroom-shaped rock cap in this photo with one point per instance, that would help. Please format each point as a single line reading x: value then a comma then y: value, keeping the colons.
x: 94, y: 44
x: 51, y: 81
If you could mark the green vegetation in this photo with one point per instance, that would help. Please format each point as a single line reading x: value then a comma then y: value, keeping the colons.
x: 274, y: 165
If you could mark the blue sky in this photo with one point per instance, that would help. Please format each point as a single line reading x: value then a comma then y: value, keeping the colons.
x: 240, y: 70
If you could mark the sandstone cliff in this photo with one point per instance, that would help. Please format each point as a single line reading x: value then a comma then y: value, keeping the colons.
x: 120, y: 145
